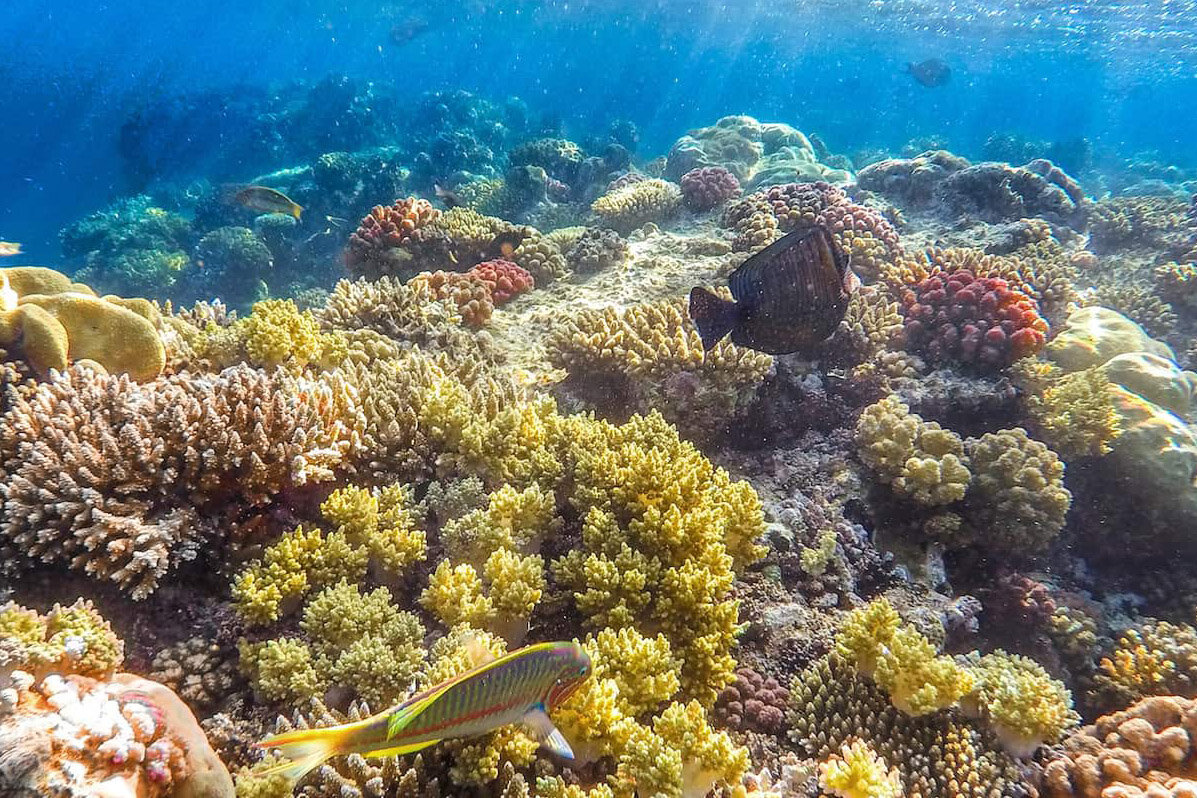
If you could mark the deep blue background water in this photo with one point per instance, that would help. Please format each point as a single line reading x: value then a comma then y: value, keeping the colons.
x: 71, y: 73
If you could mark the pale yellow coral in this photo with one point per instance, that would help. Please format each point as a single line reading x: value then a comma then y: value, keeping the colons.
x: 644, y: 669
x: 918, y: 459
x: 1073, y: 412
x: 454, y: 595
x: 636, y: 204
x: 1025, y: 706
x: 858, y: 772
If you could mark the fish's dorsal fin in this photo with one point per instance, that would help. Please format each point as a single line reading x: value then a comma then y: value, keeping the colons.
x: 542, y: 728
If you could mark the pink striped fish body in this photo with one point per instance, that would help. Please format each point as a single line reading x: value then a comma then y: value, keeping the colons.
x: 516, y: 688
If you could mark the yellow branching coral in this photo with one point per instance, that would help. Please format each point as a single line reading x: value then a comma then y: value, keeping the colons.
x: 1074, y: 413
x: 709, y: 757
x: 515, y: 520
x: 515, y: 585
x: 644, y: 669
x: 636, y: 204
x: 918, y: 459
x: 857, y: 772
x: 281, y: 670
x: 1157, y: 658
x: 372, y: 527
x: 1017, y: 495
x: 1026, y: 707
x: 70, y: 639
x: 646, y: 350
x: 901, y: 660
x: 275, y: 333
x: 454, y: 595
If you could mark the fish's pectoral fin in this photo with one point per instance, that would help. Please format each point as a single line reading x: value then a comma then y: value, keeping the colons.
x: 714, y: 316
x: 550, y: 737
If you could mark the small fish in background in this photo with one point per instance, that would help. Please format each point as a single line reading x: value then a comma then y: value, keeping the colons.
x: 519, y: 687
x: 267, y: 200
x: 8, y: 248
x: 507, y: 242
x: 789, y: 297
x: 408, y: 28
x: 447, y: 196
x: 931, y: 73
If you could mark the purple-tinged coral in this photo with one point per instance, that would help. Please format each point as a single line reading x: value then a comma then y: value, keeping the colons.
x: 708, y: 186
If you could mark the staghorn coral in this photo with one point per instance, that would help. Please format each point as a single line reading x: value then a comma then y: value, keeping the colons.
x: 650, y: 355
x: 856, y: 771
x: 918, y: 459
x: 1017, y: 495
x: 123, y: 481
x: 597, y: 249
x: 707, y: 187
x: 636, y: 204
x: 980, y: 322
x: 383, y: 242
x: 940, y: 755
x: 1141, y: 752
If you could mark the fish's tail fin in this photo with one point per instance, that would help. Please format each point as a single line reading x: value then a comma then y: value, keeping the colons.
x: 305, y: 748
x: 296, y: 209
x: 713, y: 316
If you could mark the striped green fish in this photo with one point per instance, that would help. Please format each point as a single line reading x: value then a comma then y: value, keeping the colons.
x: 519, y: 687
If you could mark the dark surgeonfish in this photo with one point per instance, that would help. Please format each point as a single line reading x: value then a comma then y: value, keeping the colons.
x: 789, y: 297
x: 930, y: 73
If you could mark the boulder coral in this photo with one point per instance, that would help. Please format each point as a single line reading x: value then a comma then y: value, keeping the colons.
x: 636, y: 204
x: 755, y: 153
x: 50, y: 322
x: 71, y: 726
x: 707, y: 187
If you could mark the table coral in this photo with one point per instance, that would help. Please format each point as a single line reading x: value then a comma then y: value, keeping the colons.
x: 980, y: 322
x: 634, y: 205
x: 707, y: 187
x: 918, y: 459
x: 1142, y: 752
x: 651, y: 356
x: 138, y: 487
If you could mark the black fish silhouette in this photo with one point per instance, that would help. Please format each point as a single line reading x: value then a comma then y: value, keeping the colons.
x: 930, y: 73
x: 789, y: 297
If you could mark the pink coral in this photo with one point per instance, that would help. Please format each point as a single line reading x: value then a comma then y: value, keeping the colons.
x: 708, y: 186
x: 504, y: 279
x: 384, y: 229
x: 753, y: 702
x: 982, y: 321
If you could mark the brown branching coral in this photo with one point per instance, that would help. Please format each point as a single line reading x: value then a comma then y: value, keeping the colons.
x: 1142, y: 752
x: 653, y: 354
x: 939, y: 755
x: 1122, y: 222
x: 122, y: 480
x: 1140, y: 304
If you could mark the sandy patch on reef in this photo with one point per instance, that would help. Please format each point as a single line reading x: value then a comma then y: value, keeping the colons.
x: 663, y: 265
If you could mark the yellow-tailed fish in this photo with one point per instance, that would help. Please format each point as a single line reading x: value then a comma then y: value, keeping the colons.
x: 520, y: 687
x: 267, y: 200
x: 9, y: 248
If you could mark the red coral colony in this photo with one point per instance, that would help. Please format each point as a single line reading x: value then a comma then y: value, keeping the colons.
x: 982, y: 321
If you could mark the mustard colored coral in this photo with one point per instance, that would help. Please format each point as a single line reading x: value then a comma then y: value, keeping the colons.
x: 918, y: 459
x: 635, y: 204
x: 1023, y: 704
x: 858, y: 772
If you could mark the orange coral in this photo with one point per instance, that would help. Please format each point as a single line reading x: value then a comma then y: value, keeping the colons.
x: 371, y: 251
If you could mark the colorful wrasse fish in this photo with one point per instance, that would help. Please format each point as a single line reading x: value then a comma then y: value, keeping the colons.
x: 9, y: 248
x: 790, y: 296
x: 519, y: 687
x: 267, y: 200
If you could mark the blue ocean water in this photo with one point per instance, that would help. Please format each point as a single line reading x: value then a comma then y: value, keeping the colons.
x: 1122, y: 76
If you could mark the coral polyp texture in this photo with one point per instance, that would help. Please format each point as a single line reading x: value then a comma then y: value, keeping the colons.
x: 70, y: 725
x: 865, y: 235
x: 707, y: 187
x: 652, y: 357
x: 636, y: 204
x: 918, y: 459
x: 981, y: 322
x: 382, y: 243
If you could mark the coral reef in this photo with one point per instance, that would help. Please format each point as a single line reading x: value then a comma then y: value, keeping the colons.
x: 235, y: 262
x: 983, y: 322
x: 947, y: 185
x: 650, y: 356
x: 382, y: 243
x: 71, y: 726
x: 636, y: 204
x: 707, y: 187
x: 857, y: 772
x: 755, y: 153
x: 597, y: 249
x: 918, y: 459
